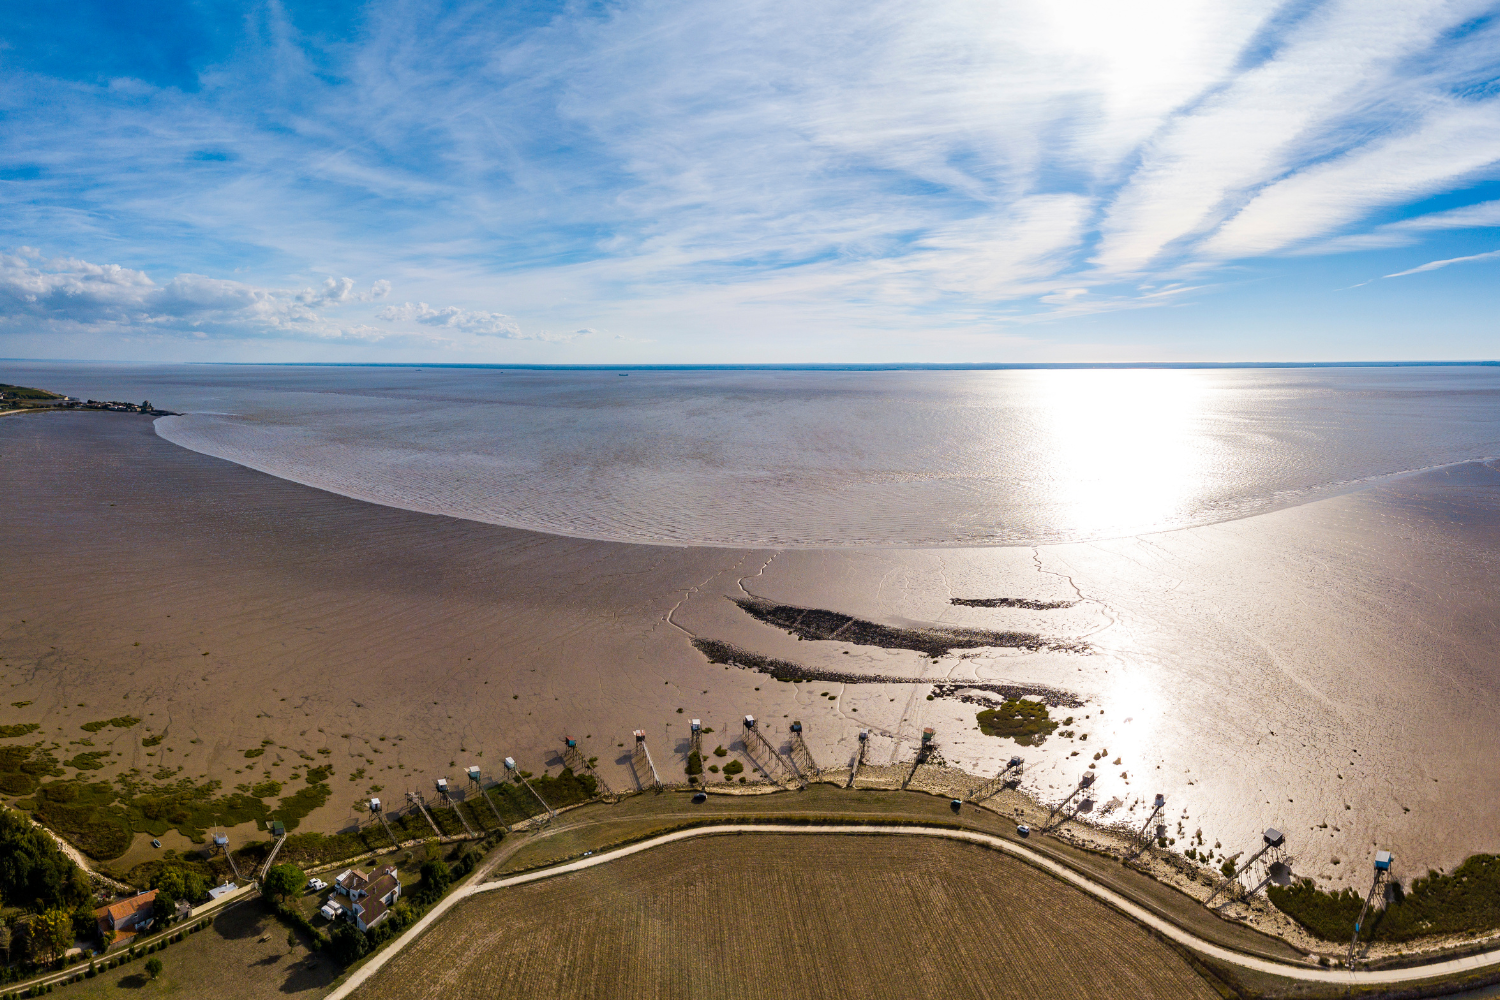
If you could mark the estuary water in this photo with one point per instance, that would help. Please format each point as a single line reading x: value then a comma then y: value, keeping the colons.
x: 797, y: 458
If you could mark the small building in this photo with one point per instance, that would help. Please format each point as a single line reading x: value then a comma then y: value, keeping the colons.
x: 474, y: 773
x: 1273, y: 837
x: 278, y: 828
x: 442, y: 785
x: 222, y: 890
x: 1382, y: 861
x: 126, y: 918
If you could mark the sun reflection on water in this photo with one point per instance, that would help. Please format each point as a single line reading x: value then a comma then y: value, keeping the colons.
x: 1119, y: 452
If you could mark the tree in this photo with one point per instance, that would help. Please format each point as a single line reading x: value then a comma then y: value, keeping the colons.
x: 153, y: 967
x: 85, y: 924
x: 194, y: 887
x: 52, y: 935
x: 347, y: 943
x: 34, y: 874
x: 435, y: 878
x: 168, y: 882
x: 180, y: 883
x: 23, y: 941
x: 283, y: 880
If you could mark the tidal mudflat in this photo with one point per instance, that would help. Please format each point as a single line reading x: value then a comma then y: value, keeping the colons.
x: 1324, y: 668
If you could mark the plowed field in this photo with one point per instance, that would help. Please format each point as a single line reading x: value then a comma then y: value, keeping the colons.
x: 791, y: 916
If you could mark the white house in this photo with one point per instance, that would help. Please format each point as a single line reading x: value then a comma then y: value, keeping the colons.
x: 375, y: 902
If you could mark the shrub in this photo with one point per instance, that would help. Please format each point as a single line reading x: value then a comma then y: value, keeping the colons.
x: 1466, y: 900
x: 1020, y: 719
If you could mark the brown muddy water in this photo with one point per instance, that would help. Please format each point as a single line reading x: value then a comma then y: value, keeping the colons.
x: 1329, y: 663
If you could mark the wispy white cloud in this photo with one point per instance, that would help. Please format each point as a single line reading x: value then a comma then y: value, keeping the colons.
x: 1452, y: 145
x: 476, y: 322
x: 1405, y: 232
x: 1272, y: 122
x: 1433, y: 265
x: 864, y: 166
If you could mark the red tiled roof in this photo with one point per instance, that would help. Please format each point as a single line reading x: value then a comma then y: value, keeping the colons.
x: 115, y: 913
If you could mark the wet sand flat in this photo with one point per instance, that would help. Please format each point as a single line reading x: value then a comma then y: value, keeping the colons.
x: 1358, y: 630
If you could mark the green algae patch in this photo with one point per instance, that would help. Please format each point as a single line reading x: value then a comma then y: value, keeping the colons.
x: 93, y: 760
x: 7, y: 732
x: 119, y: 722
x: 293, y: 809
x: 1464, y: 901
x: 22, y: 768
x: 1020, y: 719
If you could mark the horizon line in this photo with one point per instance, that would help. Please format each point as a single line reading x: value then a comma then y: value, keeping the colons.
x: 804, y: 366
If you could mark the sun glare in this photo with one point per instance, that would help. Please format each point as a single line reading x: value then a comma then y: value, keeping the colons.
x: 1118, y: 452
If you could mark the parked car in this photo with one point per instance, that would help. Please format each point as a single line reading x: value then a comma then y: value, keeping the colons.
x: 1023, y: 830
x: 316, y: 884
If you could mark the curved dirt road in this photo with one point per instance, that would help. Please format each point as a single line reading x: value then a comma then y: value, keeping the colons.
x: 1377, y: 977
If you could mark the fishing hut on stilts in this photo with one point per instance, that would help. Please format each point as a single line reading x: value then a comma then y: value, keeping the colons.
x: 221, y: 843
x: 1084, y: 784
x: 475, y: 780
x: 278, y: 833
x: 378, y: 812
x: 859, y: 757
x: 645, y: 767
x: 510, y: 765
x: 415, y: 798
x: 574, y: 759
x: 1144, y: 838
x: 447, y: 794
x: 1010, y: 774
x: 1382, y: 886
x: 765, y: 757
x: 1272, y: 854
x: 924, y: 751
x: 802, y: 757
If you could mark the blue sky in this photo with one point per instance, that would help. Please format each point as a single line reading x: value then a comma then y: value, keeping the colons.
x: 751, y: 182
